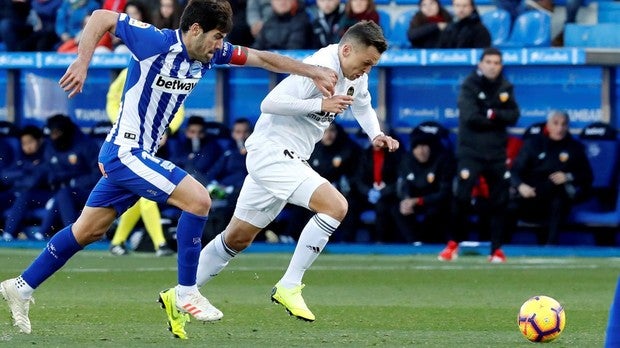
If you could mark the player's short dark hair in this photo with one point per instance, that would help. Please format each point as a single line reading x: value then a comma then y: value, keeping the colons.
x: 367, y: 33
x: 491, y: 51
x: 199, y: 120
x: 209, y: 14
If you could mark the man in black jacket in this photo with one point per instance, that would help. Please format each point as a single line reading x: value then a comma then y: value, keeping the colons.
x: 550, y: 174
x: 486, y: 108
x: 467, y: 30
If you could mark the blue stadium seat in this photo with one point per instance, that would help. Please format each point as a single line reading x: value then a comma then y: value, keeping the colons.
x: 602, y: 149
x: 399, y: 39
x: 531, y: 29
x: 608, y: 12
x: 592, y: 35
x: 498, y: 22
x: 385, y: 21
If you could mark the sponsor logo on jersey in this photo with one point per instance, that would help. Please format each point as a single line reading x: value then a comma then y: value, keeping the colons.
x: 137, y: 23
x: 322, y: 116
x: 173, y: 85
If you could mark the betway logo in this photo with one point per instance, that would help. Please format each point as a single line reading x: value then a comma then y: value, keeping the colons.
x: 173, y: 85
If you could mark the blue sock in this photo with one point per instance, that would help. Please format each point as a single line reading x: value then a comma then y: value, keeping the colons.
x: 613, y: 327
x: 59, y: 249
x: 189, y: 233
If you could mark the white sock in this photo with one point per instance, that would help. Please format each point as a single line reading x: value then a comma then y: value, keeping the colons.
x: 311, y: 242
x: 184, y: 290
x: 213, y: 258
x: 25, y: 290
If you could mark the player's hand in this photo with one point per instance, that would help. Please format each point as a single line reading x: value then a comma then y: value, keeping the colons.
x: 386, y: 141
x: 325, y: 80
x: 73, y: 79
x: 336, y: 104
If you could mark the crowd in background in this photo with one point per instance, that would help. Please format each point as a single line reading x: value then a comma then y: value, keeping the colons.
x: 408, y: 196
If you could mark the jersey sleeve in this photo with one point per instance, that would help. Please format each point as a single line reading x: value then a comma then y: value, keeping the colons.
x: 224, y: 55
x: 143, y: 39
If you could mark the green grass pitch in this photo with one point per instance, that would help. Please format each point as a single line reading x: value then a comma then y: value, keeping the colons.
x: 359, y: 301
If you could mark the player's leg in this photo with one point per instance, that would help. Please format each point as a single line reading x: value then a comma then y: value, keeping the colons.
x: 331, y: 207
x: 89, y: 227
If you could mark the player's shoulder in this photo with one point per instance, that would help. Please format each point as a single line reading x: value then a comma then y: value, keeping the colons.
x: 326, y: 57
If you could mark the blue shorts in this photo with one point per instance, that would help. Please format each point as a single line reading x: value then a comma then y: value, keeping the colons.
x: 131, y: 173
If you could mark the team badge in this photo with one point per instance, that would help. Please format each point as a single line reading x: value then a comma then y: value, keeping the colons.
x: 464, y: 174
x: 482, y: 96
x: 542, y: 155
x: 336, y: 161
x: 350, y: 91
x: 410, y: 176
x: 430, y: 178
x: 72, y: 159
x: 503, y: 97
x: 563, y: 156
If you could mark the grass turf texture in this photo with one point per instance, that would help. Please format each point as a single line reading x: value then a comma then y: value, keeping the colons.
x: 359, y: 300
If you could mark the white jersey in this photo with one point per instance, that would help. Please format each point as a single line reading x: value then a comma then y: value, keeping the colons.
x: 159, y: 78
x: 291, y: 112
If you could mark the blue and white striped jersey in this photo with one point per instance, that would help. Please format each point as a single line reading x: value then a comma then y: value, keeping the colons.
x: 159, y: 78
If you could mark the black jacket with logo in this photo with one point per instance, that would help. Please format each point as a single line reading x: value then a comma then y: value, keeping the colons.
x: 479, y: 136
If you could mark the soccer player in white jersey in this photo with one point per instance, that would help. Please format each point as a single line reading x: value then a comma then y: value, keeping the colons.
x: 164, y: 68
x: 294, y: 117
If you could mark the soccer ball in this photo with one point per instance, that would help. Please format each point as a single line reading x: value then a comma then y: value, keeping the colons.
x: 541, y: 319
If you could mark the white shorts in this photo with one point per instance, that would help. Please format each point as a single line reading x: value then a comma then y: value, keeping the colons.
x: 276, y: 176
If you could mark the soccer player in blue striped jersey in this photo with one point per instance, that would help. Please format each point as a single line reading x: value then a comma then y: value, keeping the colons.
x: 164, y: 68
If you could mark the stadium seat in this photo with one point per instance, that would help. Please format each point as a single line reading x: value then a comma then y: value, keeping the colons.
x: 398, y: 38
x: 385, y: 21
x: 530, y: 29
x: 498, y: 22
x: 602, y: 149
x: 592, y: 35
x: 608, y: 12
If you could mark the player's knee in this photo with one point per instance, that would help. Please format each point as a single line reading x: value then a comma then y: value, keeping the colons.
x: 339, y: 208
x: 238, y: 241
x: 201, y: 205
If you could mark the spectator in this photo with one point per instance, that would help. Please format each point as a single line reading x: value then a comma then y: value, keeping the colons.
x: 71, y: 17
x: 257, y: 12
x: 15, y: 26
x: 550, y: 173
x: 466, y: 30
x: 27, y: 177
x: 241, y: 33
x: 287, y: 29
x: 167, y: 15
x: 356, y: 11
x: 225, y: 180
x: 197, y: 152
x: 8, y: 156
x: 136, y: 10
x: 375, y: 180
x: 424, y: 187
x: 43, y: 37
x: 427, y: 24
x: 71, y: 45
x: 72, y: 171
x: 487, y: 106
x: 326, y: 24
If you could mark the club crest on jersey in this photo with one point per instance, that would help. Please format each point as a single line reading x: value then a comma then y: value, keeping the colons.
x: 173, y: 85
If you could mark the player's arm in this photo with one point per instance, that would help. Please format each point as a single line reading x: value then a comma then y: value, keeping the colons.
x: 100, y: 22
x: 325, y: 79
